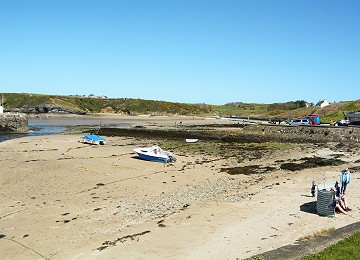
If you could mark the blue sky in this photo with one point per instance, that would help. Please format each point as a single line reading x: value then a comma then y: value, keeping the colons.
x: 191, y: 51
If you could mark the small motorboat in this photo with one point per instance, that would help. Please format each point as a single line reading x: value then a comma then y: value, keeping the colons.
x: 155, y: 153
x: 94, y: 139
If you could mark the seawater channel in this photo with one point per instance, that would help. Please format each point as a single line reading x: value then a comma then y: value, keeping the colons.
x: 58, y: 125
x: 35, y: 130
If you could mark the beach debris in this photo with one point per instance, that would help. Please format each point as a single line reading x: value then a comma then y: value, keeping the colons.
x: 107, y: 244
x: 65, y: 220
x: 160, y: 223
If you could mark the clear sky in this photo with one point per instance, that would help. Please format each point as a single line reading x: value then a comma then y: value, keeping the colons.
x: 190, y: 51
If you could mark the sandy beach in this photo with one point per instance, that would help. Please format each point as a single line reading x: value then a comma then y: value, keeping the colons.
x: 62, y: 199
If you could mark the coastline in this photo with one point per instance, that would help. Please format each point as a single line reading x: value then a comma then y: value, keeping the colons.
x: 64, y: 199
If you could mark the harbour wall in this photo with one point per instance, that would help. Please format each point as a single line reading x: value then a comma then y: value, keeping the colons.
x: 13, y: 123
x: 320, y: 134
x: 248, y: 133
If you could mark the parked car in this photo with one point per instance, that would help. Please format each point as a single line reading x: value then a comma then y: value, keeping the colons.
x: 342, y: 123
x: 300, y: 122
x: 354, y: 123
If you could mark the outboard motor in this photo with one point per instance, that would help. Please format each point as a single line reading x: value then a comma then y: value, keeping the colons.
x: 171, y: 157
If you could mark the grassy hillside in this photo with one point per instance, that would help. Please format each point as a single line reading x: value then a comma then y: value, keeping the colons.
x: 288, y: 110
x: 14, y: 101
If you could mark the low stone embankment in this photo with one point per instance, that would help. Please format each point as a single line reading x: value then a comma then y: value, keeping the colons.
x: 319, y: 134
x: 13, y: 123
x: 248, y: 133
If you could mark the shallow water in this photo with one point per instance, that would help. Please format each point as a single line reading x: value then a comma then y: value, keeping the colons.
x: 35, y: 130
x: 4, y: 137
x: 81, y: 121
x: 58, y: 125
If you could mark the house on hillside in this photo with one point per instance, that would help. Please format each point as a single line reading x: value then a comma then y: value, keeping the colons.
x: 354, y: 116
x: 322, y: 103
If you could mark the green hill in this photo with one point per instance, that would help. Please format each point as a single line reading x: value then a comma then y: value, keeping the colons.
x: 74, y: 104
x: 38, y: 103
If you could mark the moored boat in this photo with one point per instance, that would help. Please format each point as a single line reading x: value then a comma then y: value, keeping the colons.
x: 155, y: 154
x: 94, y: 139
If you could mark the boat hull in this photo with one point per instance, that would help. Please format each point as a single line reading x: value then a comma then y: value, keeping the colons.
x: 94, y: 139
x: 155, y: 154
x: 153, y: 158
x: 94, y: 142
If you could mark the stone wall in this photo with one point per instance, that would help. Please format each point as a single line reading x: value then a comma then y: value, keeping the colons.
x: 344, y: 134
x: 13, y: 123
x: 248, y: 133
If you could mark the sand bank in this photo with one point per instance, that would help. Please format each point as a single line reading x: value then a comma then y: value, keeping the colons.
x: 62, y: 199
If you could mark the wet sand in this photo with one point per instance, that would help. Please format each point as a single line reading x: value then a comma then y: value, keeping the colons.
x: 62, y: 199
x: 114, y: 119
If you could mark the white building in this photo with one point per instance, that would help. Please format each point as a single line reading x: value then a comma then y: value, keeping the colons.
x: 322, y: 103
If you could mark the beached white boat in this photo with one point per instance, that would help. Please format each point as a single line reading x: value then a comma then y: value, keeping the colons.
x: 94, y: 139
x: 155, y: 153
x: 191, y: 140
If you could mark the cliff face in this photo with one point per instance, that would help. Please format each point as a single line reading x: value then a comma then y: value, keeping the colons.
x: 13, y: 123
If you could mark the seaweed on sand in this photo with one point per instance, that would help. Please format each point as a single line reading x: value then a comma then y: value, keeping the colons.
x: 248, y: 170
x: 107, y: 244
x: 311, y: 162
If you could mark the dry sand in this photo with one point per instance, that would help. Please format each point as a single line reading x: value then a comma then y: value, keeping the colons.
x: 62, y: 199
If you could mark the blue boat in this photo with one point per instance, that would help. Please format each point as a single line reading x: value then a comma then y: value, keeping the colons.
x: 155, y: 154
x: 94, y: 139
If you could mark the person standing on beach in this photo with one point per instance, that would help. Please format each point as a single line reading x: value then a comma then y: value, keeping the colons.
x: 313, y: 188
x: 345, y: 179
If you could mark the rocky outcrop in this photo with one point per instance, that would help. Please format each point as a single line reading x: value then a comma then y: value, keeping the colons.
x: 13, y: 123
x: 46, y: 109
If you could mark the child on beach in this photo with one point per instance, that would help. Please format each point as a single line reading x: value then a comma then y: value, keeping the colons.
x: 313, y: 188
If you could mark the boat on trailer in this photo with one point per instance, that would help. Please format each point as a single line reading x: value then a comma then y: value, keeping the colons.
x: 155, y: 154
